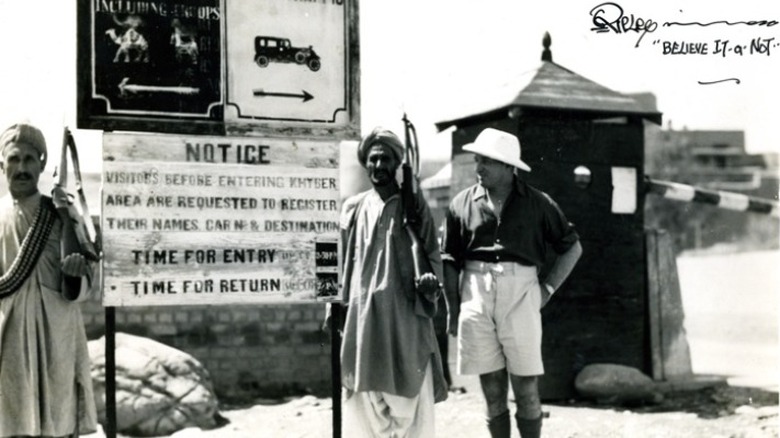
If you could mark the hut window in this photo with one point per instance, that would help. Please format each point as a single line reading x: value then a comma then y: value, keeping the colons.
x: 582, y: 177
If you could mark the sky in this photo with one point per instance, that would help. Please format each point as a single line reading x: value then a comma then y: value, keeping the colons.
x: 437, y: 59
x: 459, y: 50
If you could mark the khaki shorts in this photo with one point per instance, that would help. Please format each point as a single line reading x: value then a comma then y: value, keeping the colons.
x: 500, y: 325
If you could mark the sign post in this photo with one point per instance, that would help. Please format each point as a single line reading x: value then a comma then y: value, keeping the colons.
x: 244, y: 206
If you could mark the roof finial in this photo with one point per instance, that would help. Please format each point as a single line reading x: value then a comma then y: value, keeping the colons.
x: 546, y: 42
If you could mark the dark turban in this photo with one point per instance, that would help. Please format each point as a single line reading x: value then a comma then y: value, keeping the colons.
x: 22, y: 133
x: 380, y: 136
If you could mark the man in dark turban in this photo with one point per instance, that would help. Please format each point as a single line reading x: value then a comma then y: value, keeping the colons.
x: 391, y: 367
x: 383, y: 137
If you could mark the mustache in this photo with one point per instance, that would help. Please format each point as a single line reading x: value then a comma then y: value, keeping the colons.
x: 381, y: 177
x: 380, y: 172
x: 22, y: 176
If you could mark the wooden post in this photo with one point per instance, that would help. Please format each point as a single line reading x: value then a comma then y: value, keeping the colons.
x: 335, y: 355
x: 110, y: 339
x: 669, y: 346
x: 653, y: 307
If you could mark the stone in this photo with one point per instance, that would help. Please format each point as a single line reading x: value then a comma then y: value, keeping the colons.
x: 159, y: 389
x: 616, y: 384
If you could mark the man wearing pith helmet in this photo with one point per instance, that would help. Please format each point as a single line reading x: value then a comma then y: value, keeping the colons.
x: 495, y: 239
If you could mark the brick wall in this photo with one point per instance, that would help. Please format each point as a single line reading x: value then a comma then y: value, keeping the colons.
x: 250, y: 351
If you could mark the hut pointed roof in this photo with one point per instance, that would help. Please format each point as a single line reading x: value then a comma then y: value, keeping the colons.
x: 550, y: 86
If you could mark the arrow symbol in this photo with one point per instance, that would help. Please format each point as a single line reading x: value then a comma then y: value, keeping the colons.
x: 305, y: 96
x: 125, y: 88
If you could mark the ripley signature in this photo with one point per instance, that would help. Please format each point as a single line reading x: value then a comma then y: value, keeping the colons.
x: 609, y: 17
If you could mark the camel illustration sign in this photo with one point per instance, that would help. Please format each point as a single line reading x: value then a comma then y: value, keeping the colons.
x: 219, y: 67
x: 151, y: 60
x: 287, y: 61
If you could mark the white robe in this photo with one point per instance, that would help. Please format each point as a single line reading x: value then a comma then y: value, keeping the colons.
x: 44, y: 362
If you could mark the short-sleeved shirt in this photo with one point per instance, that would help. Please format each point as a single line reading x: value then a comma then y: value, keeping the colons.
x: 530, y: 222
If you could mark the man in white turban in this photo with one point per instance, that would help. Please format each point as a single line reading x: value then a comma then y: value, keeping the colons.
x: 45, y: 382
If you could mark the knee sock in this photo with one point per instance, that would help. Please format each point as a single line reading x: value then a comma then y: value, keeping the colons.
x: 529, y: 428
x: 500, y: 426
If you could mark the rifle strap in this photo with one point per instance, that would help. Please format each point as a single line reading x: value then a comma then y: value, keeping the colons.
x: 74, y: 156
x: 89, y: 241
x: 31, y: 249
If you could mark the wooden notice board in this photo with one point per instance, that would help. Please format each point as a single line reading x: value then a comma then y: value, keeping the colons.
x: 218, y: 220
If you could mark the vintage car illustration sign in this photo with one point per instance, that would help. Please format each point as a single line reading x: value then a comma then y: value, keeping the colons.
x: 149, y: 60
x: 287, y: 61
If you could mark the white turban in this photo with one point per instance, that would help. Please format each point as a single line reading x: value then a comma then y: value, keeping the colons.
x: 23, y: 133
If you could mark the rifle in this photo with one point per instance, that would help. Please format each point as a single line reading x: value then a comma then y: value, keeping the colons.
x: 410, y: 169
x: 78, y: 231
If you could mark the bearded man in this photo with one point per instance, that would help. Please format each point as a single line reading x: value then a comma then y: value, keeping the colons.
x: 391, y: 367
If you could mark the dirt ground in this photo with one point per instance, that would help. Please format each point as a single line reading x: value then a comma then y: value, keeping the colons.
x: 721, y: 411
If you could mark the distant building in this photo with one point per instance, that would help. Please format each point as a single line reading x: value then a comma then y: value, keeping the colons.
x: 436, y: 190
x: 720, y: 162
x: 714, y: 160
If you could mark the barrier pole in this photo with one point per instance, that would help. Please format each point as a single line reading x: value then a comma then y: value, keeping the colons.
x: 720, y: 199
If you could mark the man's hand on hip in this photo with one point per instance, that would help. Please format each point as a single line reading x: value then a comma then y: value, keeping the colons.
x: 547, y: 293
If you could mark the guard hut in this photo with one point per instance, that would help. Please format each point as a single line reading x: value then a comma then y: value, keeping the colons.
x: 585, y: 145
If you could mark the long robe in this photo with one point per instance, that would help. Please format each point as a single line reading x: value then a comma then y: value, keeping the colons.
x: 44, y: 362
x: 388, y: 334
